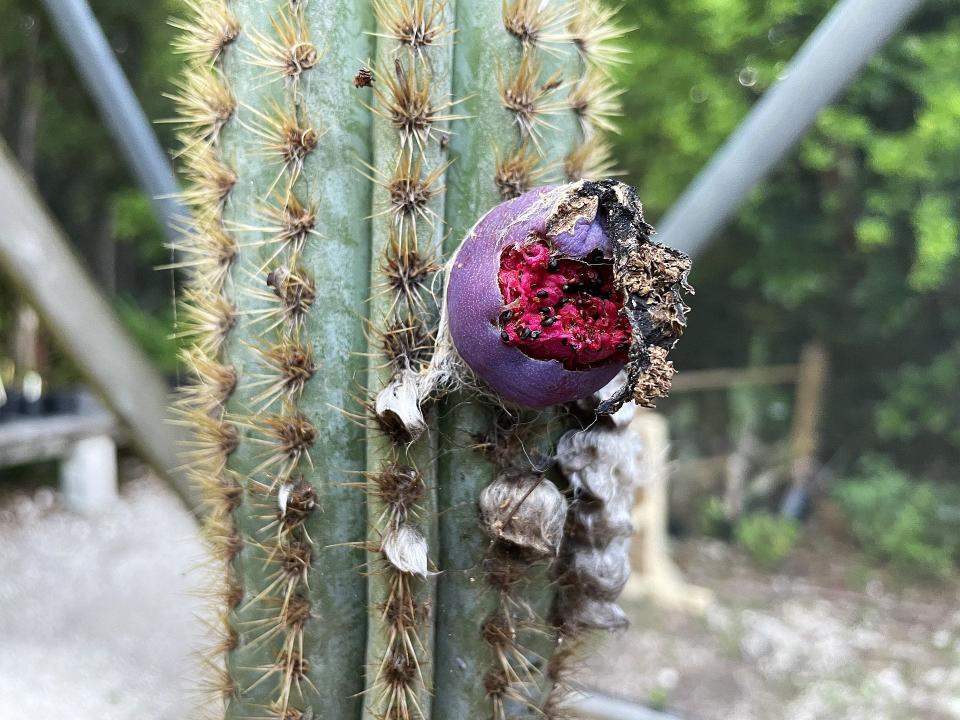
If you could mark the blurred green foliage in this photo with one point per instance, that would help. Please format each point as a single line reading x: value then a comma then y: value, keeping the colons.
x: 713, y: 520
x: 767, y: 539
x: 51, y: 125
x: 913, y: 526
x: 854, y: 239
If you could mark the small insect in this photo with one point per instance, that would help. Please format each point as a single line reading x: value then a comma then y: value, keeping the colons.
x: 363, y: 78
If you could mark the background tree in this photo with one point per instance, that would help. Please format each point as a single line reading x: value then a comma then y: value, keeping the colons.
x: 853, y: 240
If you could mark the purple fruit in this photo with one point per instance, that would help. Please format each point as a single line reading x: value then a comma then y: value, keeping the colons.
x: 536, y: 297
x: 531, y: 301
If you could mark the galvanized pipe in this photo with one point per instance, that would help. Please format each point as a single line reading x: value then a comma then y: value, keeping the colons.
x: 828, y: 61
x: 97, y: 65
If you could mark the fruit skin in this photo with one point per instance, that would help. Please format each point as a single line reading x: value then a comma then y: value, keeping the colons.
x: 475, y: 302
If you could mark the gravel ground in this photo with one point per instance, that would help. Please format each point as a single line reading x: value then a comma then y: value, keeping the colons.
x: 99, y: 619
x: 801, y: 645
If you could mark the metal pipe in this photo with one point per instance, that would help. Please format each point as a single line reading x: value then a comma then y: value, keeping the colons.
x: 828, y: 61
x: 602, y: 707
x: 121, y: 111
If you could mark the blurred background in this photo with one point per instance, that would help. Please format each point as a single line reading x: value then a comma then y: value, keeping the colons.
x: 814, y: 500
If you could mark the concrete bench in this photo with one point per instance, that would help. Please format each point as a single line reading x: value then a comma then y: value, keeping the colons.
x: 85, y: 444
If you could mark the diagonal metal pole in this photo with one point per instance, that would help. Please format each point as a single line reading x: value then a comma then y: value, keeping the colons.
x: 36, y: 257
x: 828, y: 61
x: 121, y: 112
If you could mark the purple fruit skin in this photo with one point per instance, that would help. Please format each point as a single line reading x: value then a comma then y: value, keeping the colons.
x: 474, y: 304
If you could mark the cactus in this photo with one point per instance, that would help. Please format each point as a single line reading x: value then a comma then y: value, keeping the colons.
x: 386, y: 531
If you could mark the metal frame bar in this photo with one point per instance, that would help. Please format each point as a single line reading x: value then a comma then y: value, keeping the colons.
x: 103, y: 77
x: 36, y: 256
x: 851, y: 33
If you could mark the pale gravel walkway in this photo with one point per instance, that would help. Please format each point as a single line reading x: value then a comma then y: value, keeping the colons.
x: 98, y: 621
x: 792, y: 647
x: 98, y: 617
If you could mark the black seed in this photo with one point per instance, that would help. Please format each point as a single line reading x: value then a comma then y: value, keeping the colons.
x: 524, y: 333
x: 563, y: 341
x: 542, y: 294
x: 553, y: 265
x: 544, y: 311
x: 549, y: 321
x: 534, y: 334
x: 504, y: 336
x: 506, y: 315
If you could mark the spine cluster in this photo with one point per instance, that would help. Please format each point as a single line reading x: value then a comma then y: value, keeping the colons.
x: 524, y: 513
x: 207, y: 255
x: 276, y: 292
x: 410, y: 98
x: 593, y: 97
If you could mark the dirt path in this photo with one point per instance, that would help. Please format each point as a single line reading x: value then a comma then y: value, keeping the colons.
x: 99, y: 621
x: 98, y: 617
x: 801, y: 645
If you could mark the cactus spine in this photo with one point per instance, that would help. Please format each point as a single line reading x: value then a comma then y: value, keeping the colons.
x: 323, y: 201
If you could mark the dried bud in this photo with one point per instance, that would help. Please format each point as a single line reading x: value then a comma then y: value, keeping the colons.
x: 528, y: 512
x: 587, y: 613
x: 602, y: 573
x: 602, y: 465
x: 398, y: 407
x: 405, y: 548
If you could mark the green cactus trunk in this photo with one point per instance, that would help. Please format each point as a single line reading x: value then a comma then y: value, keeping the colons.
x: 356, y: 579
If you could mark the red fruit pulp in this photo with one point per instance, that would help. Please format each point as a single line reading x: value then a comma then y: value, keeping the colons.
x: 558, y: 308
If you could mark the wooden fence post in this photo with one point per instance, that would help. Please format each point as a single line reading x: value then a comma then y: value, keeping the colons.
x: 654, y: 573
x: 804, y: 432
